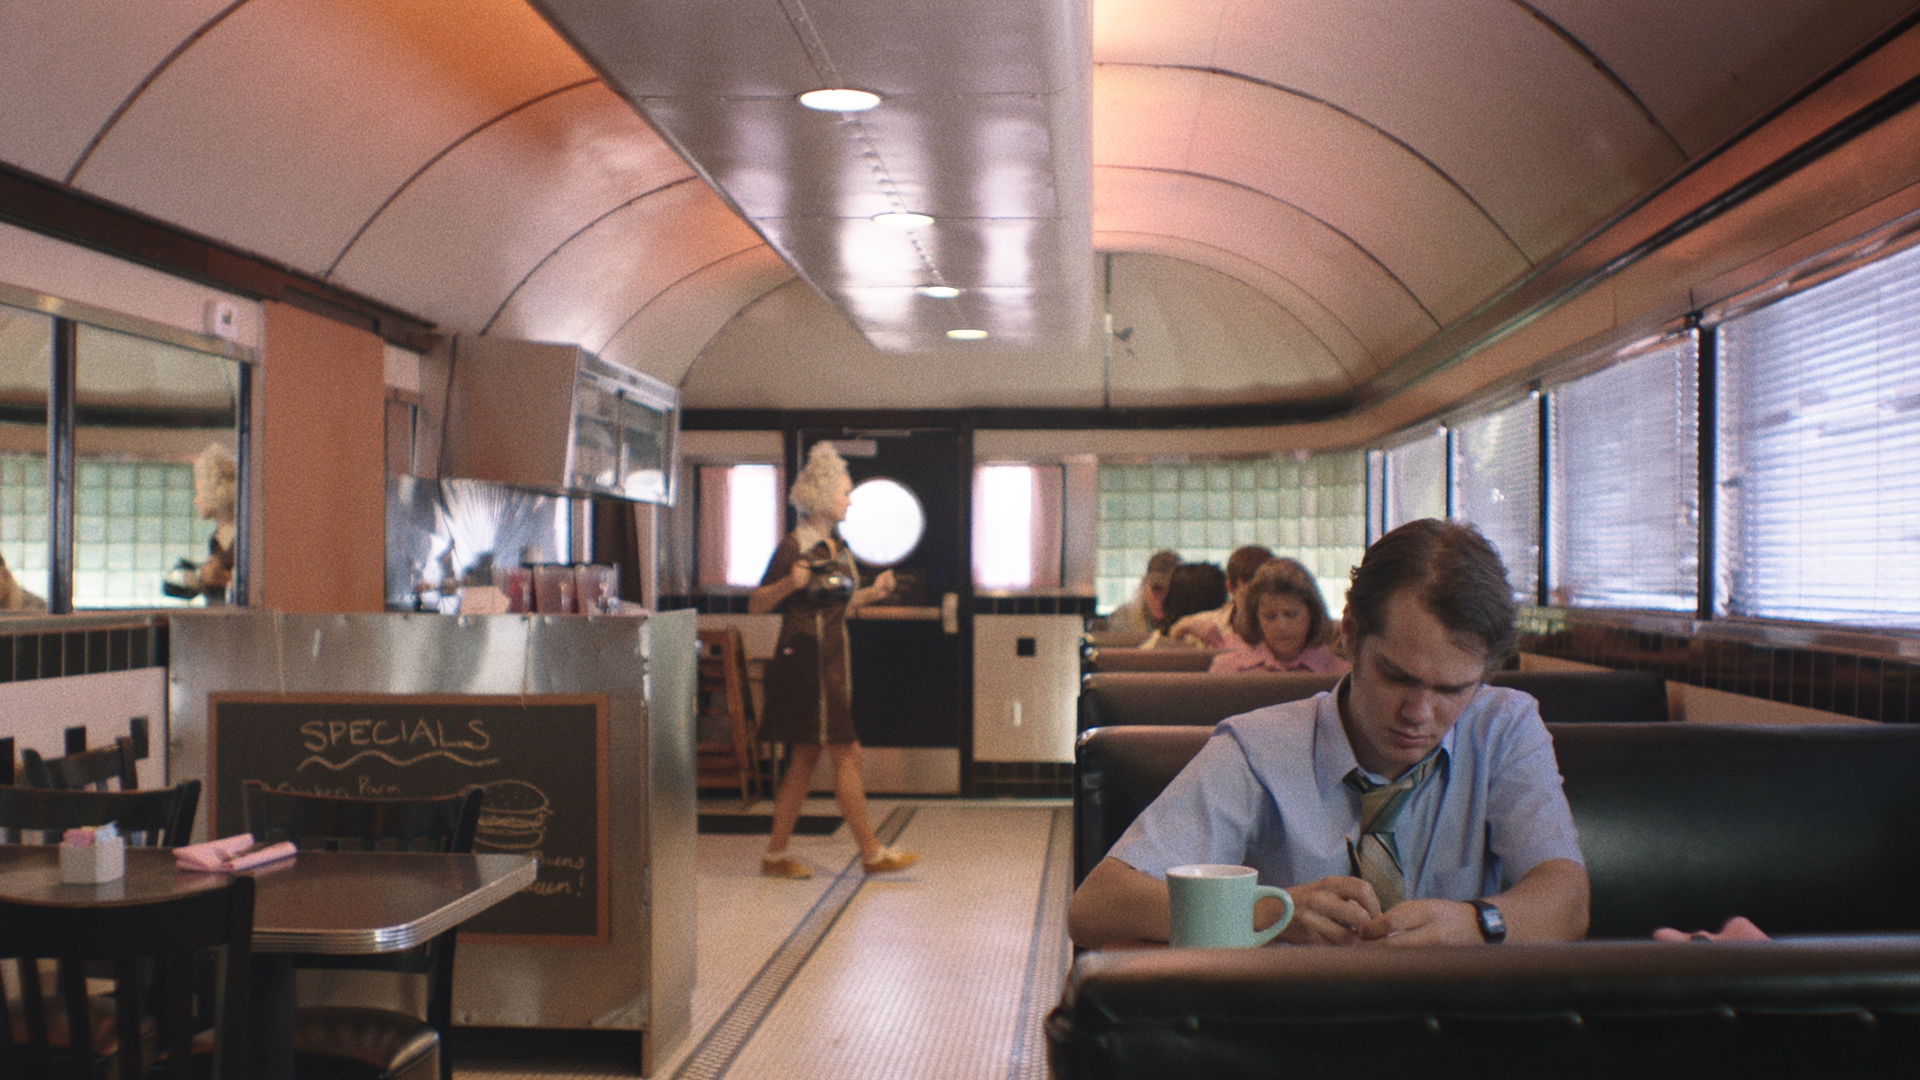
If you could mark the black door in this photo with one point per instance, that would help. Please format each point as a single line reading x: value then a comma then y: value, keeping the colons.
x: 912, y: 654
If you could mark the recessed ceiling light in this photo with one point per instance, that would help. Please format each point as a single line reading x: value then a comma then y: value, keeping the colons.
x: 967, y: 335
x: 902, y: 220
x: 839, y: 99
x: 938, y: 292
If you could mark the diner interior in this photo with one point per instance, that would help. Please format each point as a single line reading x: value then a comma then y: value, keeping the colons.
x: 506, y: 329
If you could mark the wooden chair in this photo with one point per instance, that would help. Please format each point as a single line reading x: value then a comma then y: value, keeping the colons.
x: 338, y: 1042
x: 157, y: 817
x: 724, y: 688
x: 95, y: 769
x: 151, y: 947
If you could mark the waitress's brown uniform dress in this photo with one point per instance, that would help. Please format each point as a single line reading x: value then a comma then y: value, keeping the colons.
x: 809, y: 695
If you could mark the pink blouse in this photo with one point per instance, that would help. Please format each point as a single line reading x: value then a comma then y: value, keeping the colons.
x: 1245, y: 657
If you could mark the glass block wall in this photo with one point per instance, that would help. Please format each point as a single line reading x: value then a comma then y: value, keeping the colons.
x: 23, y: 519
x: 1312, y: 510
x: 132, y: 521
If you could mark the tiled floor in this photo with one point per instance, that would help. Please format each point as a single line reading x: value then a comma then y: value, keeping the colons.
x: 945, y: 970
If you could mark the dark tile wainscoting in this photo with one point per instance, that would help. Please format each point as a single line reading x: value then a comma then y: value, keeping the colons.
x: 1881, y: 688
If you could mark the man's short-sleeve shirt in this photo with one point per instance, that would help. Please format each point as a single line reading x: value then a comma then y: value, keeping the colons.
x: 1268, y: 791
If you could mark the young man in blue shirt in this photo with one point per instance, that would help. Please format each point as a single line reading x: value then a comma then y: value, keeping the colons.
x: 1481, y: 843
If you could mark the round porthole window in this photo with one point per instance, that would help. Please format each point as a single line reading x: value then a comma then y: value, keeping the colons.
x: 884, y: 522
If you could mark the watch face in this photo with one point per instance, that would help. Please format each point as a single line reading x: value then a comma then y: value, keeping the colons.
x: 1493, y: 926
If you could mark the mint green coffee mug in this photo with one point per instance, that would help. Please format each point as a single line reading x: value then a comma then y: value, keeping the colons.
x: 1213, y: 907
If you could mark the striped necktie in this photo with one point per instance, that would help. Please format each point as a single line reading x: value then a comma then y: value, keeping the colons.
x: 1376, y: 859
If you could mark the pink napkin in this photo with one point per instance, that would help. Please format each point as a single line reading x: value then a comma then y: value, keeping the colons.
x: 225, y: 856
x: 1738, y: 928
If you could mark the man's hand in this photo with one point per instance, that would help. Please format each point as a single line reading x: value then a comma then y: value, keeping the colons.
x: 1331, y: 911
x: 1424, y: 922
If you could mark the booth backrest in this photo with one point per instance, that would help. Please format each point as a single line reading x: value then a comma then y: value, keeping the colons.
x: 1803, y: 829
x: 1098, y: 659
x: 1166, y: 697
x: 1108, y: 698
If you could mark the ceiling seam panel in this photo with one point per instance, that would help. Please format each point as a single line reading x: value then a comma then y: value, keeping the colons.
x: 575, y: 235
x: 1303, y: 212
x: 133, y: 95
x: 441, y: 155
x: 1332, y: 354
x: 1330, y: 313
x: 1606, y: 72
x: 828, y: 74
x: 679, y: 281
x: 1413, y: 152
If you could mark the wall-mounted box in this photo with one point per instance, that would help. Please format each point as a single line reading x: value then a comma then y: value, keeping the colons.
x: 558, y: 419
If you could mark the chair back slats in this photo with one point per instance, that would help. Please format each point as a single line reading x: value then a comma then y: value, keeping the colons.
x: 158, y: 817
x: 445, y: 823
x: 149, y: 944
x: 95, y: 769
x: 440, y: 823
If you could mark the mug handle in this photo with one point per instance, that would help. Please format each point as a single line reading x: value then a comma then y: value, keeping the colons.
x: 1261, y: 937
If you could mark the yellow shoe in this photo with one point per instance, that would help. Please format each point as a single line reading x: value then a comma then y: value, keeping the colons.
x: 888, y: 859
x: 784, y: 866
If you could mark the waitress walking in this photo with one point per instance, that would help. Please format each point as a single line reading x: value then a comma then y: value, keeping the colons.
x: 813, y: 583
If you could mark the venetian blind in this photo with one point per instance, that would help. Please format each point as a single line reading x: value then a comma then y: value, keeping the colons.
x: 1820, y: 452
x: 1624, y: 453
x: 1416, y: 480
x: 1496, y: 486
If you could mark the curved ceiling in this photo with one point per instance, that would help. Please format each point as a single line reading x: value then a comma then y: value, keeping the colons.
x: 1294, y: 194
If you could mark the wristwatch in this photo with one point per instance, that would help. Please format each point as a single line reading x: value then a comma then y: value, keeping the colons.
x: 1492, y: 926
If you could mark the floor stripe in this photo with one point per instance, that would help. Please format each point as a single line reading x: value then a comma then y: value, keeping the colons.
x: 1047, y: 958
x: 722, y: 1043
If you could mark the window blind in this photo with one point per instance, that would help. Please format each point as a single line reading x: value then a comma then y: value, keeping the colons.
x: 1820, y: 452
x: 1496, y: 486
x: 1624, y: 451
x: 1416, y: 480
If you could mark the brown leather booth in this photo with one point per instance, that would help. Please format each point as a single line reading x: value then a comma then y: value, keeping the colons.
x: 1165, y: 697
x: 1813, y: 832
x: 1136, y: 659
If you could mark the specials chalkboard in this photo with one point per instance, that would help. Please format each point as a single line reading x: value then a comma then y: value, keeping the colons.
x: 542, y: 761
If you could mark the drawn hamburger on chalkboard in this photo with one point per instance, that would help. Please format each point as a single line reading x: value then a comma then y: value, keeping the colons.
x: 513, y: 817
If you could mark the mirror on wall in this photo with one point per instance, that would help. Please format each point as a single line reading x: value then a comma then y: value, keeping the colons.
x: 146, y: 408
x: 26, y: 358
x: 145, y: 412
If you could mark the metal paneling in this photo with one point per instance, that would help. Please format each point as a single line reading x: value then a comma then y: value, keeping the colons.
x: 643, y: 978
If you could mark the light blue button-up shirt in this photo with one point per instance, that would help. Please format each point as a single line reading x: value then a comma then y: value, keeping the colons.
x: 1266, y: 791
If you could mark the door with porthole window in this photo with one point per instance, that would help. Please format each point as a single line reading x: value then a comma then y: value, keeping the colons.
x: 911, y: 653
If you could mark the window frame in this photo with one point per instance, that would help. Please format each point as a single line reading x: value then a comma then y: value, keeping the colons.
x: 66, y: 317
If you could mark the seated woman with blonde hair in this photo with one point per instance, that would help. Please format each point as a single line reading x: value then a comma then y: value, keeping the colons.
x: 1282, y: 626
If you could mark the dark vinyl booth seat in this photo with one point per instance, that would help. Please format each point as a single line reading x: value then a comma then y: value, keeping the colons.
x: 1165, y: 697
x: 1813, y: 832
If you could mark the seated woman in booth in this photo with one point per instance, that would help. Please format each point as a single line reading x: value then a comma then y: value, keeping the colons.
x: 1282, y: 626
x: 1193, y: 588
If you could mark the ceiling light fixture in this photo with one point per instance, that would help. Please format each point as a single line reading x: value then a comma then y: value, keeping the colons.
x: 938, y: 292
x: 839, y: 99
x: 900, y: 219
x: 967, y: 335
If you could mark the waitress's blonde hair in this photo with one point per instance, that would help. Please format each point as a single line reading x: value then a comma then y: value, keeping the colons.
x: 813, y: 490
x: 216, y: 473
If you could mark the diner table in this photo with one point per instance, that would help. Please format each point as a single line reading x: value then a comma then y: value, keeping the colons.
x: 327, y: 902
